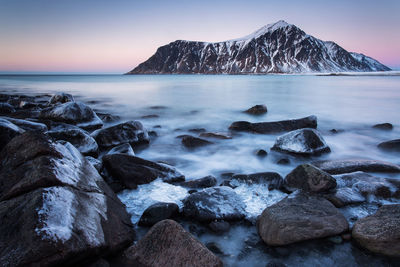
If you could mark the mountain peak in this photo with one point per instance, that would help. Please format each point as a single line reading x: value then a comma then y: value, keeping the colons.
x: 263, y: 30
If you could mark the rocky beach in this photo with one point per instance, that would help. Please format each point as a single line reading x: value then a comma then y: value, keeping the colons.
x: 78, y: 186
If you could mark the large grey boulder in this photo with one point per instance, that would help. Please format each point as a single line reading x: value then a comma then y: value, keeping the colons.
x: 27, y: 125
x: 305, y: 142
x: 55, y: 209
x: 158, y: 212
x: 76, y: 113
x: 380, y: 232
x: 216, y: 203
x: 8, y: 131
x: 61, y: 98
x: 275, y: 126
x: 299, y: 218
x: 309, y: 178
x: 168, y: 244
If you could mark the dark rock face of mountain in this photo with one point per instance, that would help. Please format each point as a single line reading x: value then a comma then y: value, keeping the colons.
x: 275, y: 48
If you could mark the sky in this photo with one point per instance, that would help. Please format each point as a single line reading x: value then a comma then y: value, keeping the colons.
x: 103, y: 36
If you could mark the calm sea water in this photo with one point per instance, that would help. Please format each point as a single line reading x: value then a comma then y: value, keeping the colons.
x: 183, y: 102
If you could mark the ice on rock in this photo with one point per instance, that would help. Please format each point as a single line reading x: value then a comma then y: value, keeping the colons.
x: 138, y: 200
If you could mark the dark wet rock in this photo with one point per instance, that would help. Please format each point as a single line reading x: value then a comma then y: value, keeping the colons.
x: 283, y: 161
x: 298, y: 218
x: 168, y: 244
x: 61, y: 98
x: 131, y: 132
x: 219, y: 227
x: 158, y: 212
x: 191, y: 191
x: 76, y: 113
x: 152, y: 134
x: 345, y: 196
x: 310, y: 179
x: 130, y: 171
x: 108, y: 118
x: 194, y: 142
x: 157, y: 126
x: 276, y: 126
x: 158, y: 107
x: 214, y: 248
x: 392, y: 145
x: 383, y: 126
x: 336, y: 131
x: 151, y: 116
x: 305, y: 142
x: 215, y: 135
x: 77, y: 137
x: 55, y: 208
x: 380, y: 232
x: 261, y: 153
x: 216, y: 203
x: 122, y: 149
x: 353, y: 165
x: 275, y: 263
x: 273, y: 179
x: 197, y: 130
x: 8, y: 131
x: 257, y: 110
x: 27, y: 125
x: 208, y: 181
x: 95, y: 162
x: 368, y: 185
x: 6, y: 108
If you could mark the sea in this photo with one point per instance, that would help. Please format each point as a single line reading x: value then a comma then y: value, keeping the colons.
x: 174, y: 105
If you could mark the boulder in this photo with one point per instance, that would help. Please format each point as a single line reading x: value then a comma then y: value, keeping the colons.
x: 310, y: 179
x: 208, y: 181
x: 158, y: 212
x: 168, y: 244
x: 6, y: 108
x: 8, y: 131
x: 97, y: 164
x: 61, y: 98
x: 383, y: 126
x: 216, y: 203
x: 261, y: 153
x: 392, y: 145
x: 76, y: 113
x: 215, y: 135
x: 130, y: 171
x: 131, y: 132
x: 194, y: 142
x: 55, y: 209
x: 122, y: 149
x: 77, y: 137
x: 273, y: 179
x: 299, y: 218
x: 380, y: 232
x: 27, y: 125
x: 306, y: 142
x: 353, y: 165
x: 275, y: 126
x: 257, y: 110
x: 345, y: 196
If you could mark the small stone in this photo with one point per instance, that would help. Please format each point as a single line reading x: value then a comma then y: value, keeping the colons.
x: 261, y: 153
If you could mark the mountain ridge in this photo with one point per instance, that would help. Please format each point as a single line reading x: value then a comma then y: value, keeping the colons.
x: 275, y: 48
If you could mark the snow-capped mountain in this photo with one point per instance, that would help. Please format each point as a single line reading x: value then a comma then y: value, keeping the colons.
x: 275, y: 48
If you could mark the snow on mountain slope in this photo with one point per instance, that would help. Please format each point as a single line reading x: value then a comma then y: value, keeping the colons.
x: 275, y: 48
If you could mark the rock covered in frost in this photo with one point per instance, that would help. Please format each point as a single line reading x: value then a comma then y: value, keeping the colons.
x: 61, y: 98
x: 77, y: 137
x: 207, y: 181
x: 303, y: 142
x: 130, y: 171
x: 95, y: 162
x: 131, y: 132
x: 6, y: 108
x: 122, y: 149
x: 158, y: 212
x: 76, y: 113
x: 299, y: 218
x: 392, y: 145
x: 354, y: 165
x: 257, y: 110
x: 310, y: 179
x: 8, y: 131
x: 275, y: 126
x: 27, y: 125
x: 55, y: 209
x: 216, y: 203
x: 345, y: 196
x: 273, y: 179
x: 380, y: 232
x: 168, y: 244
